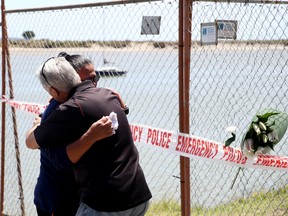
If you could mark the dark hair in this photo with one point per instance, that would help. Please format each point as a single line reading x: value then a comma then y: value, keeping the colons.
x: 77, y: 61
x: 62, y: 54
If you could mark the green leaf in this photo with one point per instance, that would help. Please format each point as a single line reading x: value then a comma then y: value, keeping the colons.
x: 269, y: 130
x: 269, y: 124
x: 249, y: 133
x: 255, y: 119
x: 265, y: 116
x: 256, y: 141
x: 230, y: 140
x: 271, y: 145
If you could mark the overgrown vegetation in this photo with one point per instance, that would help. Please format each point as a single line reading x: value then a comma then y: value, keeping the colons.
x: 259, y: 204
x: 45, y: 43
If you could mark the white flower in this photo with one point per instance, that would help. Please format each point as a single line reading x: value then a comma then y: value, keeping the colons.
x: 231, y: 129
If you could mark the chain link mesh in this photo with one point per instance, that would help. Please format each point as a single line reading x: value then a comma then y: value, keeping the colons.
x: 229, y: 83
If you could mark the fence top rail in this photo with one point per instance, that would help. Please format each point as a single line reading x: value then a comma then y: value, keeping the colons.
x: 117, y: 2
x: 248, y: 1
x: 99, y: 4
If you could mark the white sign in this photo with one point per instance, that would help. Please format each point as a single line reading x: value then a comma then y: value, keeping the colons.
x: 227, y: 29
x: 208, y: 33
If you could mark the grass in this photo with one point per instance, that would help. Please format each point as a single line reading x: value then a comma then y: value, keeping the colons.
x: 272, y: 203
x: 164, y: 208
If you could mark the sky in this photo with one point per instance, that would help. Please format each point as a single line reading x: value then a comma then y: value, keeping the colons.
x: 254, y: 21
x: 104, y: 24
x: 19, y: 4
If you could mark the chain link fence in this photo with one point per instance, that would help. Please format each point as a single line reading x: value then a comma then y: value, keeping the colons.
x: 229, y: 83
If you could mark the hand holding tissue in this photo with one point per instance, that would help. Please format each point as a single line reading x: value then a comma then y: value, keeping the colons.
x: 113, y: 118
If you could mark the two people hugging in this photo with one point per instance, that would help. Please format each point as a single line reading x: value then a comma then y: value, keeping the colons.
x: 87, y: 166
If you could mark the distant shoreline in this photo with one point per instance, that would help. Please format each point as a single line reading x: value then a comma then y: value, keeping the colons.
x: 47, y: 44
x: 149, y: 46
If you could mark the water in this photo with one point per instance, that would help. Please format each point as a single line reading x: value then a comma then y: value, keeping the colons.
x: 227, y: 88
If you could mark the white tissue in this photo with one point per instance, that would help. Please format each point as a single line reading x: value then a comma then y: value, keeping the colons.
x: 113, y: 118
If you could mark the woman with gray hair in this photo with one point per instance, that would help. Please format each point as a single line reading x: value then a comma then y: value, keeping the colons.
x: 58, y: 77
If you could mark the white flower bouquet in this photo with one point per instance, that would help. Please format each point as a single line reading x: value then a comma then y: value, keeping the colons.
x: 264, y: 132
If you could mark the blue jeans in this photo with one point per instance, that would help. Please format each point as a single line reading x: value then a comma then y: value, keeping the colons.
x: 140, y: 210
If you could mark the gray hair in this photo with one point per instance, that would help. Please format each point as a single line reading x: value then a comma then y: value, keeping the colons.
x: 57, y: 72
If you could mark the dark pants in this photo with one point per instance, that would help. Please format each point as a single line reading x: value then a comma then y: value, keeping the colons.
x: 65, y: 211
x: 42, y: 213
